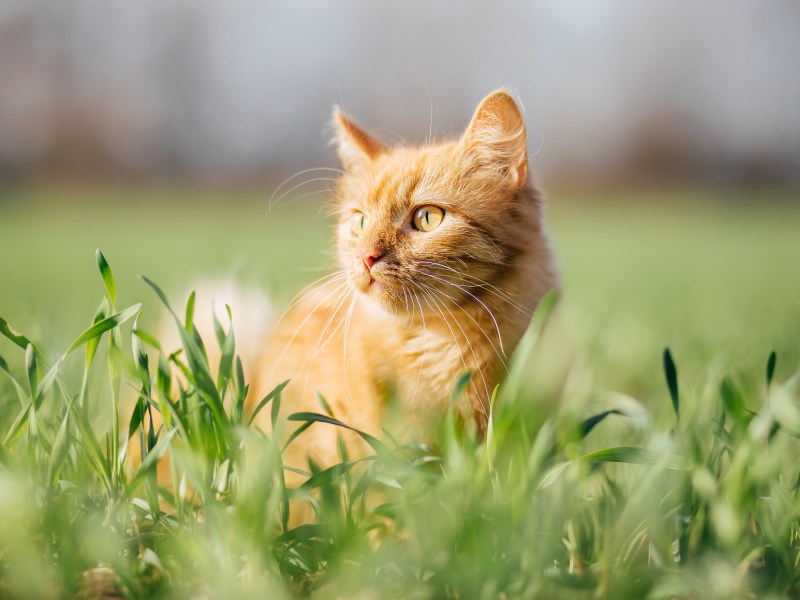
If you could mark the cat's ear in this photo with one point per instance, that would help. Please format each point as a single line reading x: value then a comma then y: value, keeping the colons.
x: 355, y: 146
x: 496, y: 134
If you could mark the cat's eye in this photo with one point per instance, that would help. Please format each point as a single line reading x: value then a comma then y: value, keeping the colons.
x: 358, y: 223
x: 427, y: 218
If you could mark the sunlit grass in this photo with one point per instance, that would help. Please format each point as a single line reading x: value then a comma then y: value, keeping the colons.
x: 612, y: 469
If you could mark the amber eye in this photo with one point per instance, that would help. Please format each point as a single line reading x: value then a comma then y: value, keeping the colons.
x: 427, y: 218
x: 358, y: 223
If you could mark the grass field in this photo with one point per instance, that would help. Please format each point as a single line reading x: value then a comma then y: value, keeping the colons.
x: 689, y: 493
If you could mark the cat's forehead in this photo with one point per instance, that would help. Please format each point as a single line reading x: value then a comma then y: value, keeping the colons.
x: 400, y: 179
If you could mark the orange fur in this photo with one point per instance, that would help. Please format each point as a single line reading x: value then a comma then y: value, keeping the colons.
x: 385, y: 345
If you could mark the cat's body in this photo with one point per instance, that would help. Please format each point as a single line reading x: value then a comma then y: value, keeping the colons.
x: 442, y: 258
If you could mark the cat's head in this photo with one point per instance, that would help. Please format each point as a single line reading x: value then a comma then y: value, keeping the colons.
x: 423, y: 227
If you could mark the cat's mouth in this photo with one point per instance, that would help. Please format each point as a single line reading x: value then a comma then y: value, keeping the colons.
x: 367, y: 281
x: 378, y: 286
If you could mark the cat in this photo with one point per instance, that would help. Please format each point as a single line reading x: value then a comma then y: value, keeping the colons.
x: 442, y: 259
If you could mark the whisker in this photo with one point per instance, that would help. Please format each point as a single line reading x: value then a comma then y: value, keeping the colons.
x: 505, y: 296
x: 321, y: 341
x: 435, y: 307
x: 338, y: 289
x: 298, y: 174
x: 430, y: 100
x: 311, y: 287
x: 494, y: 320
x: 500, y: 353
x: 326, y: 191
x: 424, y: 347
x: 273, y: 203
x: 344, y: 350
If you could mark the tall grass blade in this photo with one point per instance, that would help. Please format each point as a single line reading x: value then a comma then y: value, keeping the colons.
x: 197, y: 359
x: 105, y: 325
x: 152, y: 458
x: 771, y: 367
x: 189, y: 316
x: 107, y: 275
x: 20, y: 340
x: 587, y: 425
x: 632, y: 454
x: 671, y: 373
x: 19, y: 389
x: 375, y: 443
x: 31, y: 370
x: 92, y: 344
x: 273, y: 395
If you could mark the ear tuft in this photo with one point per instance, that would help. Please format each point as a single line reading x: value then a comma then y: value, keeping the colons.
x: 497, y: 135
x: 355, y: 146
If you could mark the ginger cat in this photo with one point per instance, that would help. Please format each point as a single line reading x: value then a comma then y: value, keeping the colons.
x: 442, y: 259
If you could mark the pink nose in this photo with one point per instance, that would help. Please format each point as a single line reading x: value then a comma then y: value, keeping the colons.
x: 369, y: 258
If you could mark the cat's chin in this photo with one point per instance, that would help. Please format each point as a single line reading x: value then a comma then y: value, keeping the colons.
x: 380, y: 293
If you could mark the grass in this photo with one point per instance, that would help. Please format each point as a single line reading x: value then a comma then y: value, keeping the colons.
x: 613, y: 469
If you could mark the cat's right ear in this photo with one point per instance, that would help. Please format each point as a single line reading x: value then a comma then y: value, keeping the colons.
x: 355, y: 146
x: 497, y: 136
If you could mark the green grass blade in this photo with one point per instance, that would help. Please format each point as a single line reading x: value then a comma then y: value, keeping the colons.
x: 327, y: 476
x: 587, y: 425
x: 147, y: 339
x: 19, y: 423
x: 105, y: 325
x: 520, y: 361
x: 671, y: 373
x: 219, y: 332
x: 20, y: 340
x: 323, y: 404
x: 189, y: 315
x: 773, y: 358
x: 225, y: 370
x: 152, y: 458
x: 47, y: 381
x: 19, y: 389
x: 91, y: 345
x: 733, y: 401
x: 296, y: 433
x: 60, y: 448
x: 140, y: 356
x: 375, y: 443
x: 198, y: 363
x: 161, y: 295
x: 273, y: 395
x: 634, y: 455
x: 31, y: 370
x: 107, y: 275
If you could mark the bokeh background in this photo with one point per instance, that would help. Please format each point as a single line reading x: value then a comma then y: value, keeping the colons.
x: 666, y: 135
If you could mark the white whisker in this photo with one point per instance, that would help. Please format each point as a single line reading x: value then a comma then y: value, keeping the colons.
x: 500, y: 353
x: 344, y: 348
x: 424, y: 347
x: 319, y: 304
x: 491, y: 315
x: 310, y: 288
x: 435, y: 307
x: 480, y: 283
x: 298, y: 174
x: 274, y: 203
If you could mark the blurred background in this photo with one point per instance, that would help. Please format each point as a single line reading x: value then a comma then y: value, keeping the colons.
x: 207, y: 90
x: 666, y: 134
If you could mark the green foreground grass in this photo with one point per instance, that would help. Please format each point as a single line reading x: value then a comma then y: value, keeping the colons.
x: 612, y: 470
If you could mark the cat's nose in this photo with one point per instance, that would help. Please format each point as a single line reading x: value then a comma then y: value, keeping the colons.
x: 369, y: 258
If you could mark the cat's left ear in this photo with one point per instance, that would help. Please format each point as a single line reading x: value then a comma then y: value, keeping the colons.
x: 354, y: 144
x: 496, y: 134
